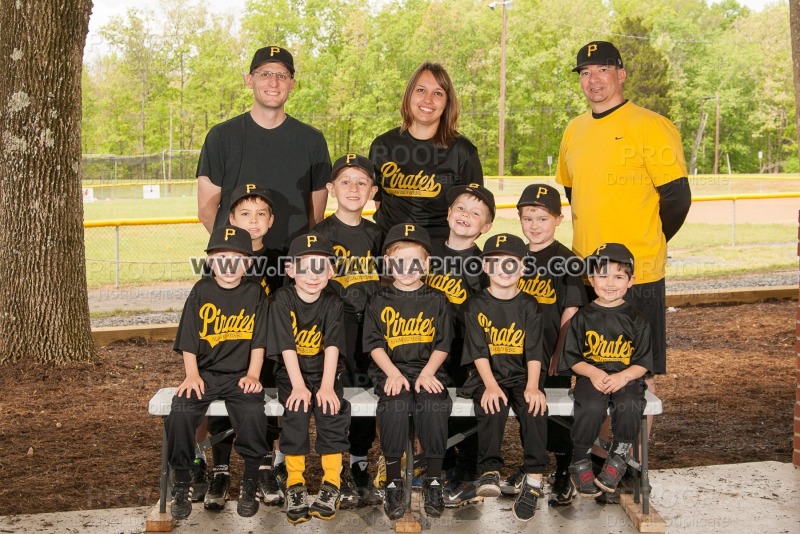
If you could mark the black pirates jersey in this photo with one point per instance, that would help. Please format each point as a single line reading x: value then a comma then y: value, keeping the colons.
x: 265, y: 269
x: 611, y: 339
x: 356, y: 249
x: 506, y: 332
x: 554, y: 288
x: 221, y: 326
x: 456, y: 273
x: 408, y: 325
x: 306, y: 328
x: 415, y: 175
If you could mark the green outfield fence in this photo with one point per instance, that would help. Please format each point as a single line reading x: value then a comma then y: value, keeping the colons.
x: 133, y: 250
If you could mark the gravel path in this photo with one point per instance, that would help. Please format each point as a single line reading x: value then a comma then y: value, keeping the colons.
x: 123, y: 304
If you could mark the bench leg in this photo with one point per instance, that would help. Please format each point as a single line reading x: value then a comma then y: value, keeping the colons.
x: 412, y: 521
x: 645, y: 478
x: 159, y: 520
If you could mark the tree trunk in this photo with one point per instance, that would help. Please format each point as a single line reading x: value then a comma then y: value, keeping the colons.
x: 44, y: 309
x: 794, y: 28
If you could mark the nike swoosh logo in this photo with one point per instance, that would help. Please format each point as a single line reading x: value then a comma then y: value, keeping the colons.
x: 617, y: 138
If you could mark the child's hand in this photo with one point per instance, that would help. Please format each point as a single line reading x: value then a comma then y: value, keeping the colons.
x: 189, y: 384
x: 250, y: 384
x: 537, y: 402
x: 490, y: 401
x: 599, y: 380
x: 299, y: 396
x: 616, y: 382
x: 327, y: 398
x: 395, y: 384
x: 430, y: 383
x: 552, y: 369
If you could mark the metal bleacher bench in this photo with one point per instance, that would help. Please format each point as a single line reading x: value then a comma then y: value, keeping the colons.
x: 363, y: 403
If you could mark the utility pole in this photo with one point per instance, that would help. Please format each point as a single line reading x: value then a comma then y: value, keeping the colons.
x: 502, y: 135
x: 716, y: 141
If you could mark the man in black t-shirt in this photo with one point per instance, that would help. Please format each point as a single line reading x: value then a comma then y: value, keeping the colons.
x: 267, y: 147
x: 306, y: 340
x: 221, y: 335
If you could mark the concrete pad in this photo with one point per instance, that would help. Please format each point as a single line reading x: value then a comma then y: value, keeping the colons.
x: 759, y: 497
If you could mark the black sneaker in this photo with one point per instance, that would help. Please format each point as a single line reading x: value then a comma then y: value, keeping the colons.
x: 280, y: 473
x: 489, y: 484
x: 611, y: 474
x: 268, y: 488
x: 199, y: 484
x: 513, y: 484
x: 463, y: 494
x: 348, y: 492
x: 582, y: 478
x: 297, y: 504
x: 217, y: 490
x: 326, y: 503
x: 562, y: 492
x: 248, y: 503
x: 525, y: 505
x: 367, y: 493
x: 394, y: 501
x: 433, y: 496
x: 608, y: 498
x: 181, y: 504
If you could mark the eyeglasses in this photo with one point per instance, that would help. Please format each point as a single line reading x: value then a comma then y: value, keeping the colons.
x: 267, y: 75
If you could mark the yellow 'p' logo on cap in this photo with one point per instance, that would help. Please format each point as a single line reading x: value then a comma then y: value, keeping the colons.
x: 541, y: 191
x: 250, y: 187
x: 601, y: 247
x: 473, y: 186
x: 349, y: 158
x: 275, y: 50
x: 409, y: 228
x: 229, y: 232
x: 500, y: 239
x: 591, y: 48
x: 310, y: 239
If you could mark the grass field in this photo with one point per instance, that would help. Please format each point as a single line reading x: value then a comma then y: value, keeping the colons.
x: 161, y: 253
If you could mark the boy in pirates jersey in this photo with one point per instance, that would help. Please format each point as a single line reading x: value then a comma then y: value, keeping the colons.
x: 306, y: 340
x: 503, y: 346
x: 408, y: 331
x: 608, y: 347
x: 222, y: 335
x: 251, y: 209
x: 554, y: 278
x: 356, y: 244
x: 457, y: 271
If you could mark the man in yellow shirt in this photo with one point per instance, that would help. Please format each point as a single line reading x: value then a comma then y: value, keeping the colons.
x: 624, y: 173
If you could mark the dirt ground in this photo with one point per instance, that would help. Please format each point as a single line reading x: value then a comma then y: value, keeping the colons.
x: 78, y: 436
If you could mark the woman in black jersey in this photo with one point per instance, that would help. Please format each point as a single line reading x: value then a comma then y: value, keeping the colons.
x: 424, y: 157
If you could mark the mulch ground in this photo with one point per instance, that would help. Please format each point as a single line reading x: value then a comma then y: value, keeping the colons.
x: 77, y: 436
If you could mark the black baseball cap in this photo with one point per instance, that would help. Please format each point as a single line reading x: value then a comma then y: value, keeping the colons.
x: 311, y: 244
x: 505, y: 244
x: 231, y: 238
x: 616, y: 252
x: 353, y: 160
x: 543, y: 195
x: 598, y: 53
x: 407, y: 232
x: 250, y: 190
x: 486, y: 196
x: 272, y: 54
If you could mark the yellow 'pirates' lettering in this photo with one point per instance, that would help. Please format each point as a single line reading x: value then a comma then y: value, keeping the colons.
x: 409, y: 185
x: 451, y: 287
x: 217, y: 327
x: 543, y: 290
x: 590, y: 49
x: 502, y: 340
x: 598, y: 349
x: 308, y: 342
x: 405, y: 331
x: 354, y: 269
x: 229, y: 232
